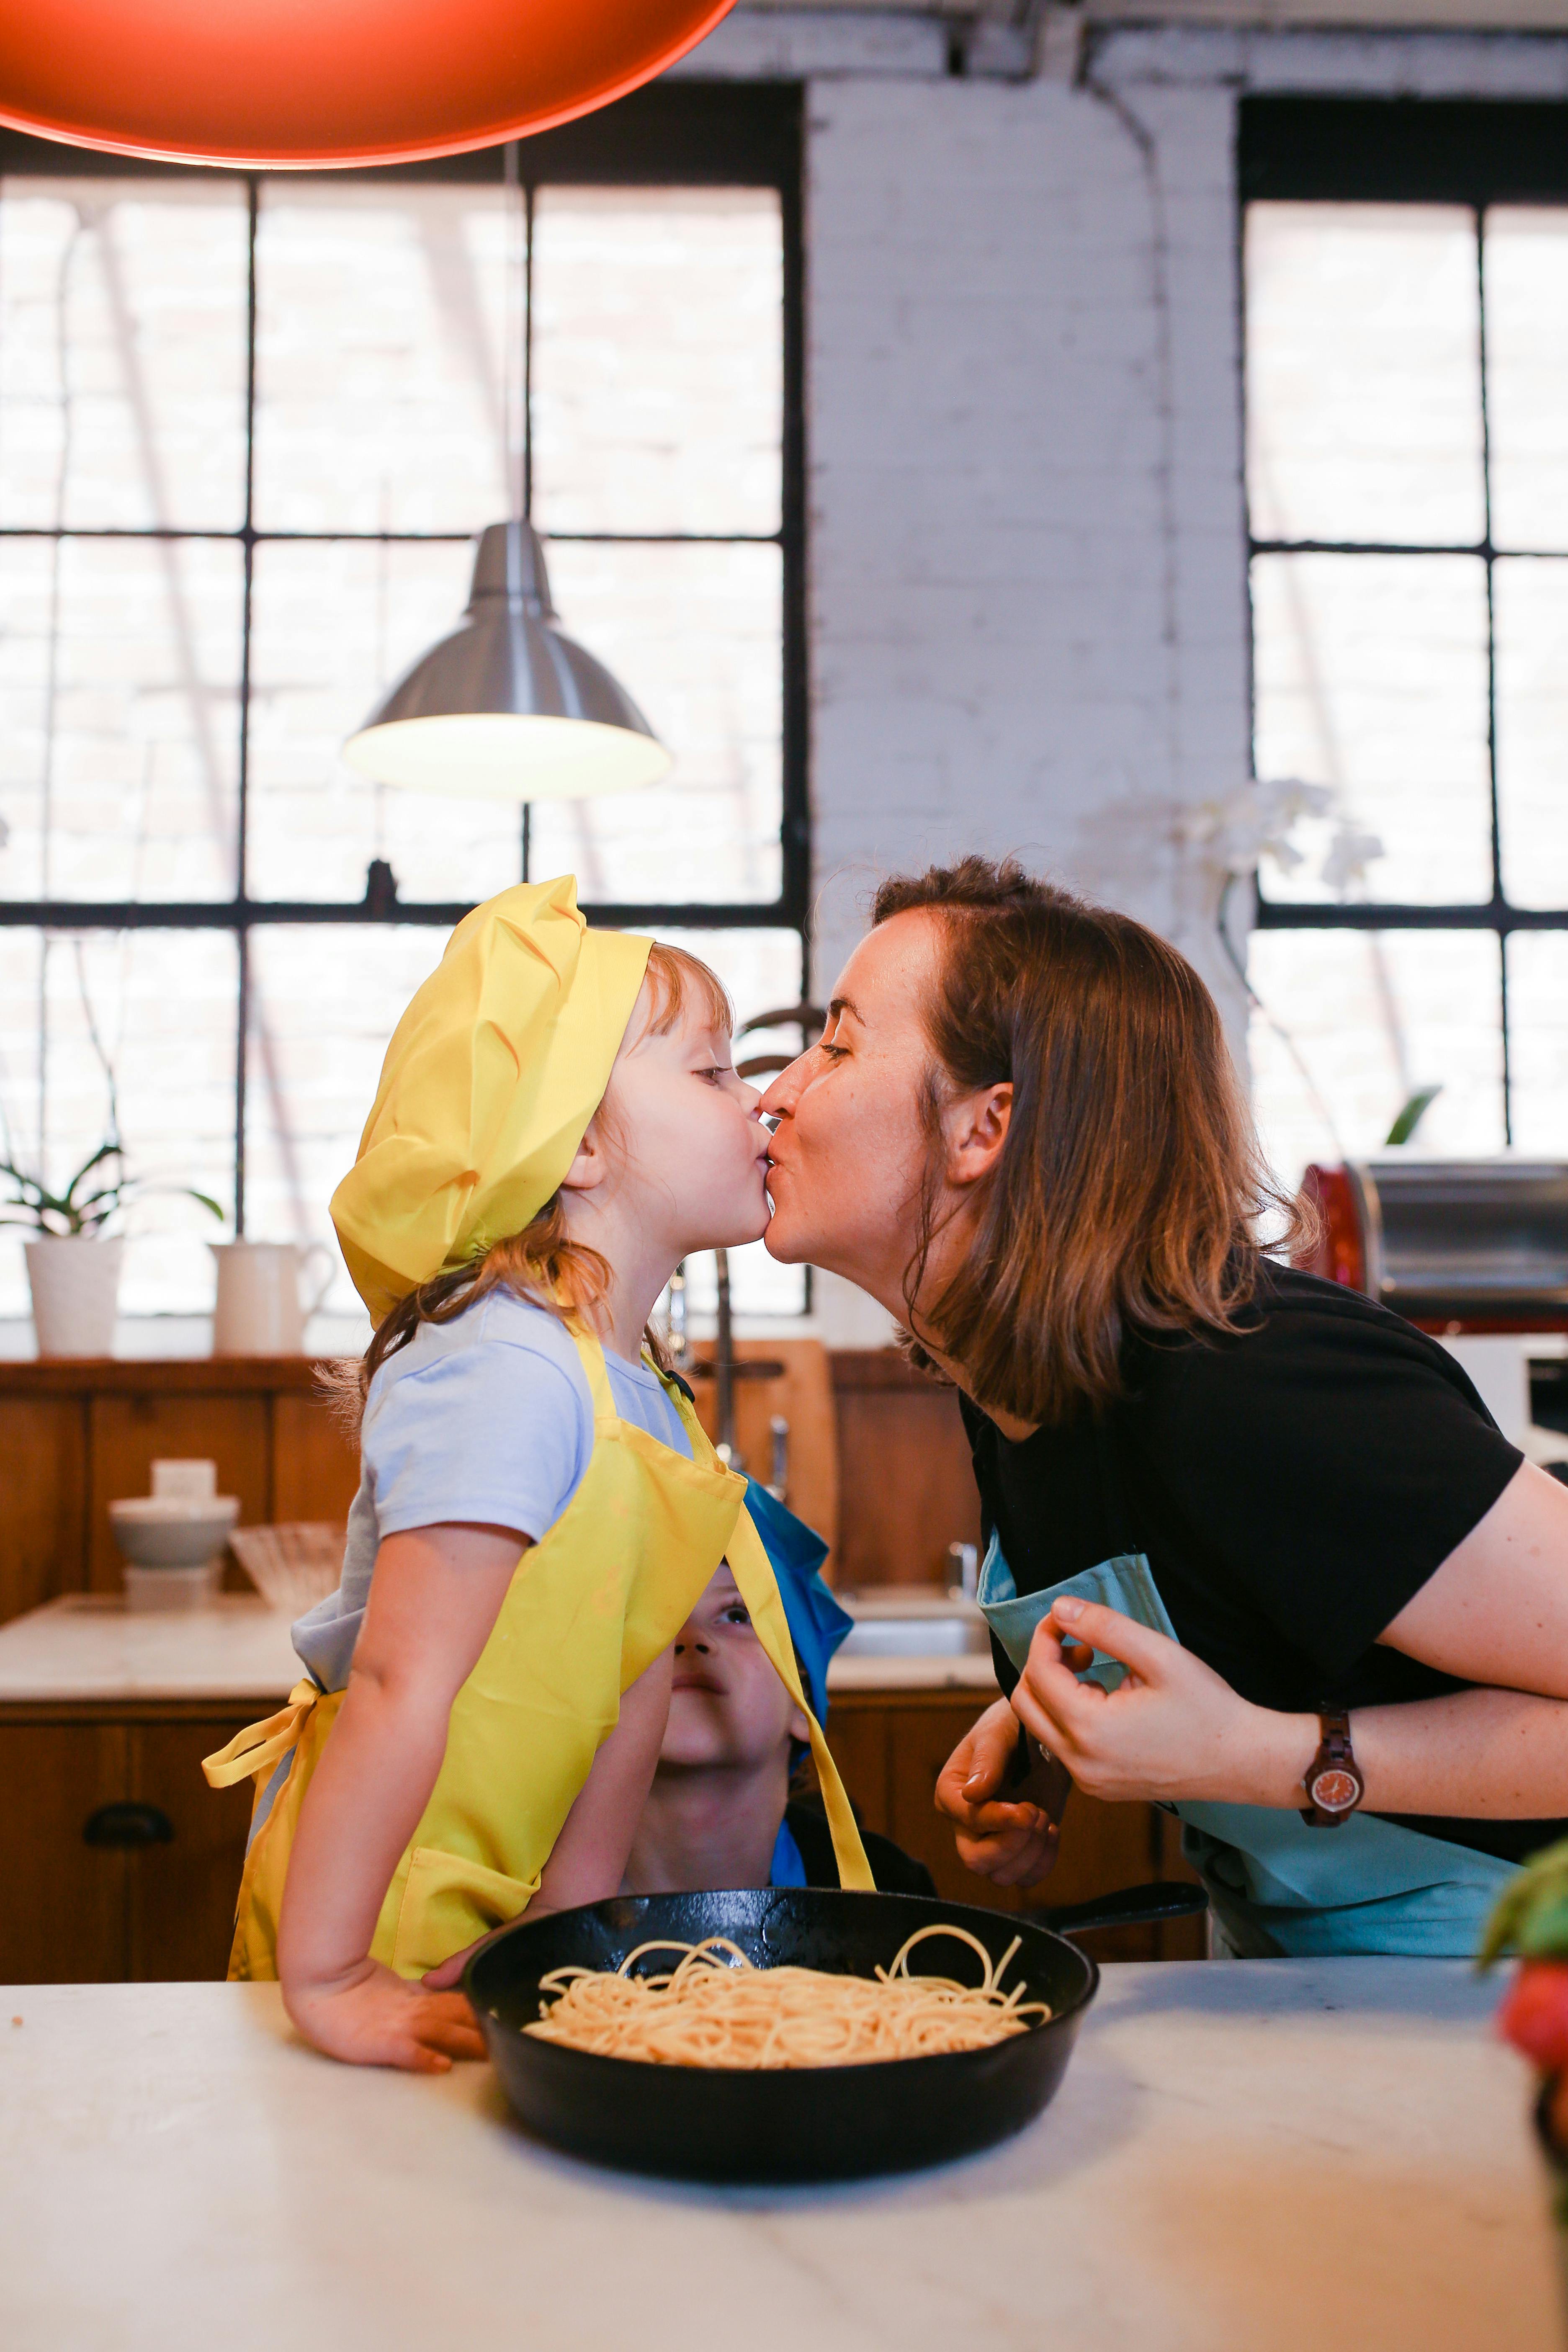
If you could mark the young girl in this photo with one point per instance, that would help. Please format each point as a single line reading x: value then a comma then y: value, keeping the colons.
x: 558, y: 1124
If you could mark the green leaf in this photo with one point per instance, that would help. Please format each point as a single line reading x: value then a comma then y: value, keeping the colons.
x: 1415, y: 1109
x: 1531, y: 1917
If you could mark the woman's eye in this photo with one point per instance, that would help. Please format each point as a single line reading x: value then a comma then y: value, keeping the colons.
x: 833, y: 1053
x: 738, y: 1615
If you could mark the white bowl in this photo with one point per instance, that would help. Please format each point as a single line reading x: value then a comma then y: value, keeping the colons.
x: 160, y: 1531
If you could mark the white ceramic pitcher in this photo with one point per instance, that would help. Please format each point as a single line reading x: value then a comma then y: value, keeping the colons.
x: 258, y: 1311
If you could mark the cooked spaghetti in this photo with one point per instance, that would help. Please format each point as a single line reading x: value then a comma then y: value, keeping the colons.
x: 715, y: 2008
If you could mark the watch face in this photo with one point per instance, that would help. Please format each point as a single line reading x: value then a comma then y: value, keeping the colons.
x: 1334, y: 1791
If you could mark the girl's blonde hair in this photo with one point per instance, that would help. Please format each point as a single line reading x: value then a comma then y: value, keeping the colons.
x: 541, y: 1265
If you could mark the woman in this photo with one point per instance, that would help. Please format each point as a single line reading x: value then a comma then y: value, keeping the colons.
x: 1254, y: 1549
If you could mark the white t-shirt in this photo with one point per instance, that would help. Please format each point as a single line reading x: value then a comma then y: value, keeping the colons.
x: 487, y: 1418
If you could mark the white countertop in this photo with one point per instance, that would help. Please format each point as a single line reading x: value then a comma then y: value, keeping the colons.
x: 1270, y: 2155
x: 90, y: 1646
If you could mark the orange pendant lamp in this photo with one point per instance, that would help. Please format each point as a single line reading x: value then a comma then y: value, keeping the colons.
x: 310, y: 83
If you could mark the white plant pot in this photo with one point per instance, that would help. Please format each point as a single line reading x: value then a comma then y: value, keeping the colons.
x: 75, y: 1282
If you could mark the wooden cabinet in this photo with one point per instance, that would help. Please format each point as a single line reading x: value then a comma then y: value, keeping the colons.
x: 73, y: 1912
x: 77, y: 1912
x: 891, y: 1745
x: 74, y: 1437
x: 906, y: 1489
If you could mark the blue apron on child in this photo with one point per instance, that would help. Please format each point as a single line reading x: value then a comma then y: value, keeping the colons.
x: 1277, y: 1887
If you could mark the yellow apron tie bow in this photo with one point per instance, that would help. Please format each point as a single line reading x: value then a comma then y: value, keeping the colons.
x: 252, y: 1753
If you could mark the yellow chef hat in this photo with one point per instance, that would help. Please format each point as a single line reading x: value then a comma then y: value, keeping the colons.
x: 487, y: 1087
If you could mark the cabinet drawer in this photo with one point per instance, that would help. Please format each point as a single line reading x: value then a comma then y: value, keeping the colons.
x: 180, y: 1917
x: 64, y: 1908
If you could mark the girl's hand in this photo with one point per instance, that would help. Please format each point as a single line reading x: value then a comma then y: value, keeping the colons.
x: 369, y: 2017
x: 1174, y: 1728
x: 1011, y: 1841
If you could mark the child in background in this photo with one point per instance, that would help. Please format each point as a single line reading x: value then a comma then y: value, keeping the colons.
x: 721, y: 1811
x: 558, y: 1124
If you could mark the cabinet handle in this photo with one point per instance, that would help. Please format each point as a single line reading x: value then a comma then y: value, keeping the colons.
x: 128, y: 1824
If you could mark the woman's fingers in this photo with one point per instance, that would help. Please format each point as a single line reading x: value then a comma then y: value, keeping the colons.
x: 980, y: 1765
x: 1091, y: 1623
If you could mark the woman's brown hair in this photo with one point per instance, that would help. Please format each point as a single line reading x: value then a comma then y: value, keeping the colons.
x: 541, y: 1263
x: 1126, y: 1195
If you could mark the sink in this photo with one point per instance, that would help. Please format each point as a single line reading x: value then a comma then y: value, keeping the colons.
x: 901, y: 1623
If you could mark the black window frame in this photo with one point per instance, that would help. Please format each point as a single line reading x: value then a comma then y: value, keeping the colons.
x: 1477, y: 153
x: 679, y: 134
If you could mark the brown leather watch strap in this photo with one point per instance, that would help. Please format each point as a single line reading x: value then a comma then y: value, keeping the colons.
x: 1332, y: 1781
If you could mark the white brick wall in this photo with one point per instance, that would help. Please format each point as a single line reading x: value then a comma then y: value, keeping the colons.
x: 1028, y: 617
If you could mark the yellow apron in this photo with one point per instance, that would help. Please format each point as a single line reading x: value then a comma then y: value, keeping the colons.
x: 590, y: 1606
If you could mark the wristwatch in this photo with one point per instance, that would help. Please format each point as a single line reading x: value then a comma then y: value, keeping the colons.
x: 1332, y: 1780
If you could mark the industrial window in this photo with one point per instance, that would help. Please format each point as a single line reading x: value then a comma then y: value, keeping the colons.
x: 1405, y: 270
x: 247, y: 426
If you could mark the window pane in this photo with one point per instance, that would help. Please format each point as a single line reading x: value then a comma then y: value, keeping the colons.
x: 333, y: 626
x: 1532, y: 605
x: 1538, y: 1040
x: 123, y: 353
x: 658, y: 359
x: 324, y: 1000
x: 762, y: 971
x: 1370, y: 677
x: 1374, y: 1015
x: 694, y: 634
x: 163, y: 1003
x: 1363, y: 373
x: 1527, y: 367
x: 379, y: 329
x: 119, y: 717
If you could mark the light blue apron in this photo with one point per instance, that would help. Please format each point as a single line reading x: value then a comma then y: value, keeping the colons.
x: 1276, y: 1886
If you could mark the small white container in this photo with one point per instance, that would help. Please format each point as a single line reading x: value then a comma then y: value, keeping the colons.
x: 173, y: 1588
x: 173, y: 1547
x: 75, y: 1282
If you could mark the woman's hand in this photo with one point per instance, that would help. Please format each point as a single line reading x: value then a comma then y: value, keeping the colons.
x: 368, y: 2017
x: 1174, y: 1728
x: 1014, y: 1841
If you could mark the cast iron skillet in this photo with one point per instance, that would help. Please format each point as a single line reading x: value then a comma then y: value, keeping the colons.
x: 819, y: 2123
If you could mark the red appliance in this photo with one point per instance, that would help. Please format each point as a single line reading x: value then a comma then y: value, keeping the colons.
x: 1454, y: 1245
x: 326, y: 83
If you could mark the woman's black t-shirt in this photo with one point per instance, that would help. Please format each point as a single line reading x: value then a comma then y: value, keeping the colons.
x: 1293, y: 1486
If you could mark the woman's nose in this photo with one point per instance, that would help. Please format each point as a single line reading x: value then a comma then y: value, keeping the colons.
x: 780, y: 1100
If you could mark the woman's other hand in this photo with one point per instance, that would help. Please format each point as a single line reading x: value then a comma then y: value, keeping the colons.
x: 1173, y: 1728
x: 368, y: 2017
x: 1011, y: 1841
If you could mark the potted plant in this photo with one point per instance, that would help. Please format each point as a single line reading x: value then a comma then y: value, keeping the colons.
x: 73, y: 1271
x: 1531, y: 1922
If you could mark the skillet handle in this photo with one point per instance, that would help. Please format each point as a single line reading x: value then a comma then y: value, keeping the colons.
x: 1130, y: 1906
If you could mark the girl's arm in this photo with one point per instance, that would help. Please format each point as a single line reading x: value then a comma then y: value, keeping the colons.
x: 589, y: 1860
x: 435, y: 1596
x: 1496, y: 1612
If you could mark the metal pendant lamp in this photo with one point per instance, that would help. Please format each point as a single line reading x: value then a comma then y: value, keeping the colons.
x: 508, y: 707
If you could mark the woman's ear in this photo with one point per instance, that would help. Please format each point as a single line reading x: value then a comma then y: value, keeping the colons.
x: 590, y: 1166
x: 798, y: 1727
x: 976, y: 1128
